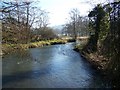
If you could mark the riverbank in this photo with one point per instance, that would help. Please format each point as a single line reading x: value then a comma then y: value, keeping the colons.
x: 8, y: 48
x: 97, y: 61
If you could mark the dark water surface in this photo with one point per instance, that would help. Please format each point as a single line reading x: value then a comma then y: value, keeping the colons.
x: 56, y: 66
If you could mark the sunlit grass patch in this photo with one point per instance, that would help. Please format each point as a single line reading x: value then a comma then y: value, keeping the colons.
x: 8, y: 48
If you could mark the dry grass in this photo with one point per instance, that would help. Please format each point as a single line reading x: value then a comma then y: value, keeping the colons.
x: 8, y: 48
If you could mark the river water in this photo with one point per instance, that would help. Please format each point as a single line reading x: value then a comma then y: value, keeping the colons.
x: 56, y: 66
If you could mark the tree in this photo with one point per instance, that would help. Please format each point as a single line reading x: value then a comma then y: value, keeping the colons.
x: 18, y: 20
x: 74, y: 15
x: 43, y: 34
x: 96, y: 16
x: 105, y: 22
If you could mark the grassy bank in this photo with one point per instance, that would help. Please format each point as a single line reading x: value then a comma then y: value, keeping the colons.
x: 97, y: 61
x: 8, y: 48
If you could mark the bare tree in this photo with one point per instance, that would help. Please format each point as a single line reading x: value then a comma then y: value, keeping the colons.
x: 74, y: 15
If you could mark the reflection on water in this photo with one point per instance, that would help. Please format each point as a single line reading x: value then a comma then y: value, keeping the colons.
x: 50, y: 66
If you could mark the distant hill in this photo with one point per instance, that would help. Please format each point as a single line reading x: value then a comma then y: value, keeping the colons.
x: 58, y: 29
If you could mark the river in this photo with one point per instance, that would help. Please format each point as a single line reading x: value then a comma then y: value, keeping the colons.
x: 55, y: 66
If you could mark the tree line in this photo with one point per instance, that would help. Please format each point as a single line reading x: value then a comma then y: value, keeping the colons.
x: 77, y: 25
x: 23, y: 22
x: 104, y: 23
